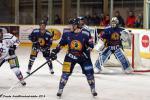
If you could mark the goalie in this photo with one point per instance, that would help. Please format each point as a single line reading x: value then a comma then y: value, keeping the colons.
x: 112, y: 38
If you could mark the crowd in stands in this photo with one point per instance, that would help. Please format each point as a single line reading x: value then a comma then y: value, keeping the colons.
x: 131, y: 21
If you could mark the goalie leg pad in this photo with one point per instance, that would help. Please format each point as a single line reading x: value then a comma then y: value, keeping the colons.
x: 122, y: 59
x: 103, y: 57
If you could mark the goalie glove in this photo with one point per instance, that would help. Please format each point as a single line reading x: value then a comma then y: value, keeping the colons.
x: 99, y: 46
x: 124, y: 35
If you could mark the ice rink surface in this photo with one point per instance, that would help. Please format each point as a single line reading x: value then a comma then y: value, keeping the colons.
x: 43, y: 86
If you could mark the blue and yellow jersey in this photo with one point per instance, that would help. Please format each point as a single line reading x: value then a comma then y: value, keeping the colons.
x: 44, y: 39
x: 76, y: 42
x: 112, y: 36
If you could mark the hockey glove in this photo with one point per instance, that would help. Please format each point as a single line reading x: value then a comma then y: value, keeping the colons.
x: 36, y: 45
x: 53, y: 54
x: 45, y: 49
x: 12, y: 50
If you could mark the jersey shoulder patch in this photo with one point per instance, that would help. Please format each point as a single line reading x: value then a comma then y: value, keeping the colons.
x: 36, y: 30
x: 107, y: 27
x: 66, y: 30
x: 49, y: 33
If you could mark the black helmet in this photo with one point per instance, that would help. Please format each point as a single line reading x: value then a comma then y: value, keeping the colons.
x: 43, y: 22
x: 75, y: 21
x: 81, y: 18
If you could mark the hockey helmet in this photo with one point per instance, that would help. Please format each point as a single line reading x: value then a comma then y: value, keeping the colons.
x: 81, y: 18
x: 114, y: 22
x: 74, y: 21
x: 43, y: 22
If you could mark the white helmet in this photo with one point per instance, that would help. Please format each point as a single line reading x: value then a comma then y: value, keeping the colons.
x: 114, y: 22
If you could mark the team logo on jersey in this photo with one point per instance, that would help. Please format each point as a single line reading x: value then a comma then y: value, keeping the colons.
x: 76, y: 45
x: 115, y: 36
x: 41, y: 41
x: 56, y: 32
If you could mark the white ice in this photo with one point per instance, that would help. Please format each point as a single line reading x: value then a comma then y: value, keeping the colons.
x: 110, y: 86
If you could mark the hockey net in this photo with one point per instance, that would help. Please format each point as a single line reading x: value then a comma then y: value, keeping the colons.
x: 139, y: 61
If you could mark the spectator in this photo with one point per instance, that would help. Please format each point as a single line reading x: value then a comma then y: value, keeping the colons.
x: 119, y: 17
x: 130, y: 20
x: 88, y: 19
x: 102, y: 18
x: 57, y: 20
x: 139, y: 21
x: 105, y: 21
x: 95, y: 20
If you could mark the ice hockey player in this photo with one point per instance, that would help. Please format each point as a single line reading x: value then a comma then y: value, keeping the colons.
x: 41, y: 42
x: 8, y: 45
x: 113, y: 37
x: 76, y: 40
x: 93, y: 32
x: 84, y: 27
x: 83, y: 23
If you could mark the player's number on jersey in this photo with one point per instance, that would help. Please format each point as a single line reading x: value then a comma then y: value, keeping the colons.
x: 2, y: 51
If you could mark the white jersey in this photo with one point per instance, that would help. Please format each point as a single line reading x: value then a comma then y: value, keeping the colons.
x: 9, y: 40
x: 3, y: 51
x: 92, y: 32
x: 86, y: 27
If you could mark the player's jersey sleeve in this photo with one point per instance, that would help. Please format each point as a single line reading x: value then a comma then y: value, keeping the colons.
x: 63, y: 40
x: 33, y: 35
x: 10, y: 40
x: 89, y: 39
x: 50, y: 37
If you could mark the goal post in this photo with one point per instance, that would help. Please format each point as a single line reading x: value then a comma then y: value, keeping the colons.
x: 140, y: 63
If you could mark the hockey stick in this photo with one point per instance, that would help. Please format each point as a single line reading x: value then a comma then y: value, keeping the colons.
x: 13, y: 86
x: 59, y: 62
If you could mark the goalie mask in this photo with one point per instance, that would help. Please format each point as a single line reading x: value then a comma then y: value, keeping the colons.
x: 114, y: 22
